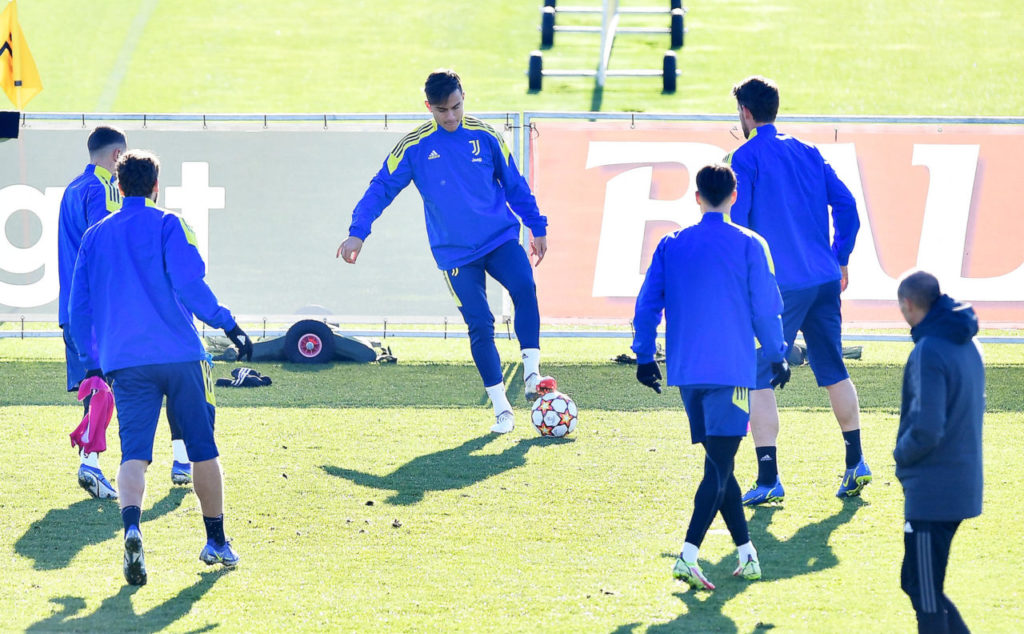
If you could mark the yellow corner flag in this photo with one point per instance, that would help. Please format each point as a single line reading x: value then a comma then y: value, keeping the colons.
x: 18, y: 74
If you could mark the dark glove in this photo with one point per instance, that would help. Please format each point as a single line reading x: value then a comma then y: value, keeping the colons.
x: 649, y: 374
x: 96, y: 372
x: 780, y: 374
x: 241, y: 341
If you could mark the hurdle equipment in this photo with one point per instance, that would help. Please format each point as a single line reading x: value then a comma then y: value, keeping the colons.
x: 609, y: 28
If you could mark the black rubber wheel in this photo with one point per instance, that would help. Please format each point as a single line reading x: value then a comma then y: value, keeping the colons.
x: 309, y: 341
x: 547, y: 27
x: 536, y: 71
x: 668, y: 72
x: 676, y: 4
x: 677, y: 28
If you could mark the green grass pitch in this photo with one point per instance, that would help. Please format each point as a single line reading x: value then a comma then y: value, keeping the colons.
x: 476, y: 533
x: 468, y: 532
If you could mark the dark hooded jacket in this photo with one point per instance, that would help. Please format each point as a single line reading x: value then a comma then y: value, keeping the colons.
x: 938, y: 445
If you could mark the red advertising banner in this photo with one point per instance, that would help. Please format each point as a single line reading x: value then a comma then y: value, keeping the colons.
x: 946, y: 199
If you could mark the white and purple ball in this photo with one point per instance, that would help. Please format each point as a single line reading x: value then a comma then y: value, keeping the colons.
x: 554, y: 414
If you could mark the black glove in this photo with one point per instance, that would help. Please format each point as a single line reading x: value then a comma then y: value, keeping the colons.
x: 649, y: 374
x: 780, y: 374
x: 241, y: 341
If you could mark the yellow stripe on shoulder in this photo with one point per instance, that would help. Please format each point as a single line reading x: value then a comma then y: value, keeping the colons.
x: 762, y: 242
x: 408, y: 141
x: 472, y: 123
x: 190, y: 235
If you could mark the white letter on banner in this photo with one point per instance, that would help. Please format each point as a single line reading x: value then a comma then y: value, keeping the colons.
x: 868, y: 280
x: 628, y: 206
x: 195, y: 198
x: 41, y: 255
x: 944, y: 233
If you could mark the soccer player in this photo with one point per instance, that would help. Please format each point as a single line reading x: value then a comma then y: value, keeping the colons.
x: 138, y: 280
x: 470, y: 188
x: 938, y: 443
x: 91, y: 197
x: 713, y: 278
x: 785, y: 188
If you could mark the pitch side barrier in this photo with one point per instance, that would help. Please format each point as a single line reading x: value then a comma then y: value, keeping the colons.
x: 936, y: 193
x: 270, y: 198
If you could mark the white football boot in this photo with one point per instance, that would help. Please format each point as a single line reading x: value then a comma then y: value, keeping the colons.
x: 504, y: 423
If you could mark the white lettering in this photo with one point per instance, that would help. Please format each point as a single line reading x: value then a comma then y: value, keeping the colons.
x: 41, y: 255
x: 628, y: 206
x: 195, y: 198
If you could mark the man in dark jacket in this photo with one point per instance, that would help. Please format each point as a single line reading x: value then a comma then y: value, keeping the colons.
x: 938, y: 445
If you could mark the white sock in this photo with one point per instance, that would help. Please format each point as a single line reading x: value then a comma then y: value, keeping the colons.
x: 180, y: 454
x: 90, y: 459
x: 497, y: 395
x: 690, y: 552
x: 531, y: 362
x: 746, y: 551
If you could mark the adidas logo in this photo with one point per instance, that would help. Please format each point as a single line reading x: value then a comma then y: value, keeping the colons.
x: 433, y: 155
x: 766, y: 458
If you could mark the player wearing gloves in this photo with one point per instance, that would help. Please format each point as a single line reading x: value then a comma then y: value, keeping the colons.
x: 715, y: 284
x: 470, y: 187
x: 91, y: 197
x: 788, y: 193
x: 137, y: 282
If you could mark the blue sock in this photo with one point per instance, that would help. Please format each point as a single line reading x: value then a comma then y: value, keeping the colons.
x: 215, y: 529
x: 131, y: 516
x: 767, y: 466
x: 853, y: 451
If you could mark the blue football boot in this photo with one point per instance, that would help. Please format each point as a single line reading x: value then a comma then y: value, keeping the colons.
x: 214, y: 554
x: 181, y: 472
x: 134, y: 558
x: 854, y: 480
x: 761, y: 494
x: 91, y: 479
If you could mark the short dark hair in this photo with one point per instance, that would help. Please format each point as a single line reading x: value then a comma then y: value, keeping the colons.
x: 441, y: 84
x: 920, y: 288
x: 103, y: 137
x: 137, y: 171
x: 760, y: 96
x: 716, y: 182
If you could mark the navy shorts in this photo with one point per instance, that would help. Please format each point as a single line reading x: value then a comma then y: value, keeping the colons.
x: 815, y: 312
x: 716, y: 411
x: 139, y: 392
x: 75, y: 368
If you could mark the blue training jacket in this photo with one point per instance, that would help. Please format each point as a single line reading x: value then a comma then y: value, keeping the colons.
x: 91, y: 197
x: 714, y: 282
x: 137, y: 282
x: 784, y: 189
x: 470, y: 186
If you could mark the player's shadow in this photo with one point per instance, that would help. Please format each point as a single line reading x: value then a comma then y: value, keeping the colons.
x: 455, y: 468
x: 116, y: 612
x: 805, y: 552
x: 53, y: 541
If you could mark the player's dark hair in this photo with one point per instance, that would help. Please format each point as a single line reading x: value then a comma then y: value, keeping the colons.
x: 716, y: 182
x: 441, y: 84
x: 103, y: 137
x: 137, y: 171
x: 920, y: 288
x: 760, y: 96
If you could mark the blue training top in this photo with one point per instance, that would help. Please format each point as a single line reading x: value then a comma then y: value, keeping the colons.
x: 137, y: 282
x: 714, y: 282
x: 784, y: 189
x: 470, y: 186
x: 91, y: 197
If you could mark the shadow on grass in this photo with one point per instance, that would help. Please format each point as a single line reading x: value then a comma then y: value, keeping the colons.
x: 807, y: 551
x: 116, y: 613
x: 445, y: 470
x: 53, y: 541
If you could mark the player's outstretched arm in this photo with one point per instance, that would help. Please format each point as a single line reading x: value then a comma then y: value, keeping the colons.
x: 349, y: 249
x: 538, y: 247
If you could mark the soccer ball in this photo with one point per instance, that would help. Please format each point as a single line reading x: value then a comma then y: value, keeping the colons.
x: 554, y: 414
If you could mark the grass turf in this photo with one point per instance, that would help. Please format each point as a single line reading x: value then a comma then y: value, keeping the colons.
x: 875, y: 57
x: 472, y: 532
